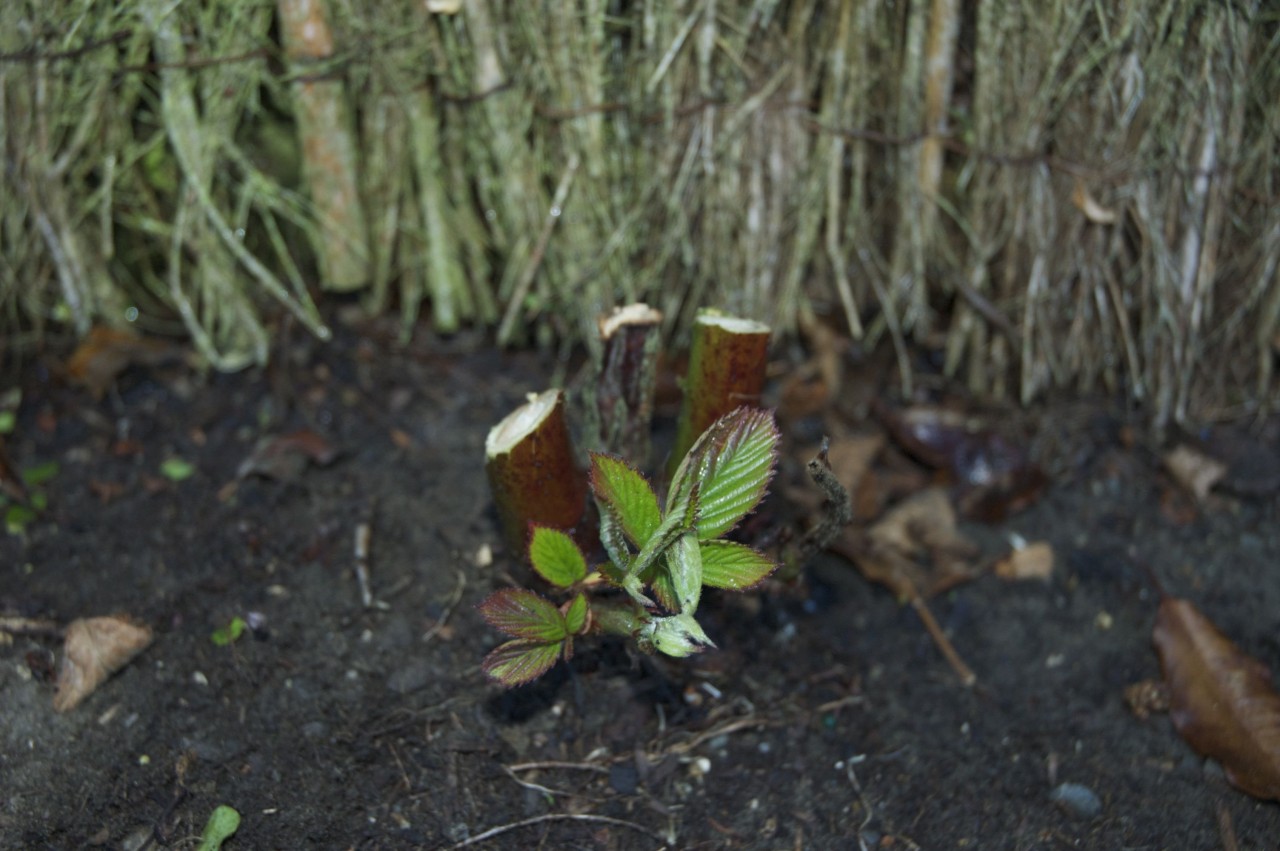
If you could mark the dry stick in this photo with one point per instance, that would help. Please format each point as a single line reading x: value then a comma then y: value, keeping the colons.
x: 1226, y: 828
x: 553, y: 763
x: 328, y: 150
x: 529, y: 822
x: 966, y: 675
x: 443, y: 272
x: 454, y: 599
x: 363, y: 533
x: 540, y: 249
x: 42, y: 627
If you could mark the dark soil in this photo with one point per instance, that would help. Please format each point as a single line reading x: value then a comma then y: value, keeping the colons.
x: 827, y: 720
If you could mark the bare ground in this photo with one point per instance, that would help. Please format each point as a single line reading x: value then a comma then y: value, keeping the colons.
x: 827, y: 720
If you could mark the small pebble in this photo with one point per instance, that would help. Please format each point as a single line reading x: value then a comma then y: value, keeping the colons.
x: 1076, y: 800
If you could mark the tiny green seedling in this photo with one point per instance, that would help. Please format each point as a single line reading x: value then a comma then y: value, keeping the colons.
x: 223, y: 822
x: 19, y: 515
x: 177, y: 469
x: 225, y: 635
x: 659, y: 559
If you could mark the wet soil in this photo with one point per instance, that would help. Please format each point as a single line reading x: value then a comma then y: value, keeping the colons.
x: 827, y: 720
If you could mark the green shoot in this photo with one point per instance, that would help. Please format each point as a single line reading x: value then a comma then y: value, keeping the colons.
x: 659, y: 559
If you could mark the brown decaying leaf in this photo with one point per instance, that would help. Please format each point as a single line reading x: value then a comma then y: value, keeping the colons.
x: 285, y: 456
x: 1033, y: 561
x: 996, y: 475
x: 1221, y: 700
x: 891, y: 552
x: 1194, y: 470
x: 94, y: 649
x: 106, y: 352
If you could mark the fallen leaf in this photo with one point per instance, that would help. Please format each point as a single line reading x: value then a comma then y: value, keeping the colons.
x: 1032, y: 561
x: 285, y: 457
x: 106, y: 352
x: 851, y: 457
x: 1220, y: 699
x: 1194, y: 470
x: 992, y: 469
x: 94, y: 649
x: 915, y: 549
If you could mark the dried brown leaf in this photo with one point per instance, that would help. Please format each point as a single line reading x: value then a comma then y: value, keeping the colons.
x: 851, y: 457
x: 94, y: 649
x: 895, y: 550
x: 987, y: 460
x: 1220, y: 699
x: 285, y: 456
x: 1033, y: 561
x: 107, y: 352
x: 1194, y: 470
x: 925, y: 521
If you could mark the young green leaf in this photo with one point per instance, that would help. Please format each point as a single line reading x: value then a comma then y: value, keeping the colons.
x: 681, y: 516
x: 224, y: 635
x: 678, y: 635
x: 40, y: 473
x: 613, y: 538
x: 177, y: 469
x: 221, y: 826
x: 518, y: 662
x: 626, y: 492
x: 684, y: 561
x: 726, y: 564
x: 523, y: 614
x: 665, y: 590
x: 575, y: 619
x: 556, y: 557
x: 737, y: 462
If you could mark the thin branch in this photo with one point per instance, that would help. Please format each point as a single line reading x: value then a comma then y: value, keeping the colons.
x: 550, y: 817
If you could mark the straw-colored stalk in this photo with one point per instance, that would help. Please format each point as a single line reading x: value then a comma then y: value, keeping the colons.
x: 727, y: 364
x: 1093, y: 206
x: 533, y: 474
x: 328, y: 145
x: 619, y: 403
x: 444, y: 275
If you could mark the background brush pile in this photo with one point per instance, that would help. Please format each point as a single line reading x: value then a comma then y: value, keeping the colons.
x: 1059, y: 194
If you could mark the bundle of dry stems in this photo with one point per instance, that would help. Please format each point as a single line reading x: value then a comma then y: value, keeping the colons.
x: 1057, y: 194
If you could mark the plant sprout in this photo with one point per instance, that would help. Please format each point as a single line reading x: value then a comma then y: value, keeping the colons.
x: 659, y: 559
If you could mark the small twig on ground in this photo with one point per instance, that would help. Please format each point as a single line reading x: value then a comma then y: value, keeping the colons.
x: 549, y: 817
x: 866, y: 805
x: 42, y: 627
x: 575, y: 766
x: 1226, y: 829
x: 733, y: 726
x: 547, y: 790
x: 454, y: 599
x: 963, y: 671
x: 840, y: 703
x: 363, y: 533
